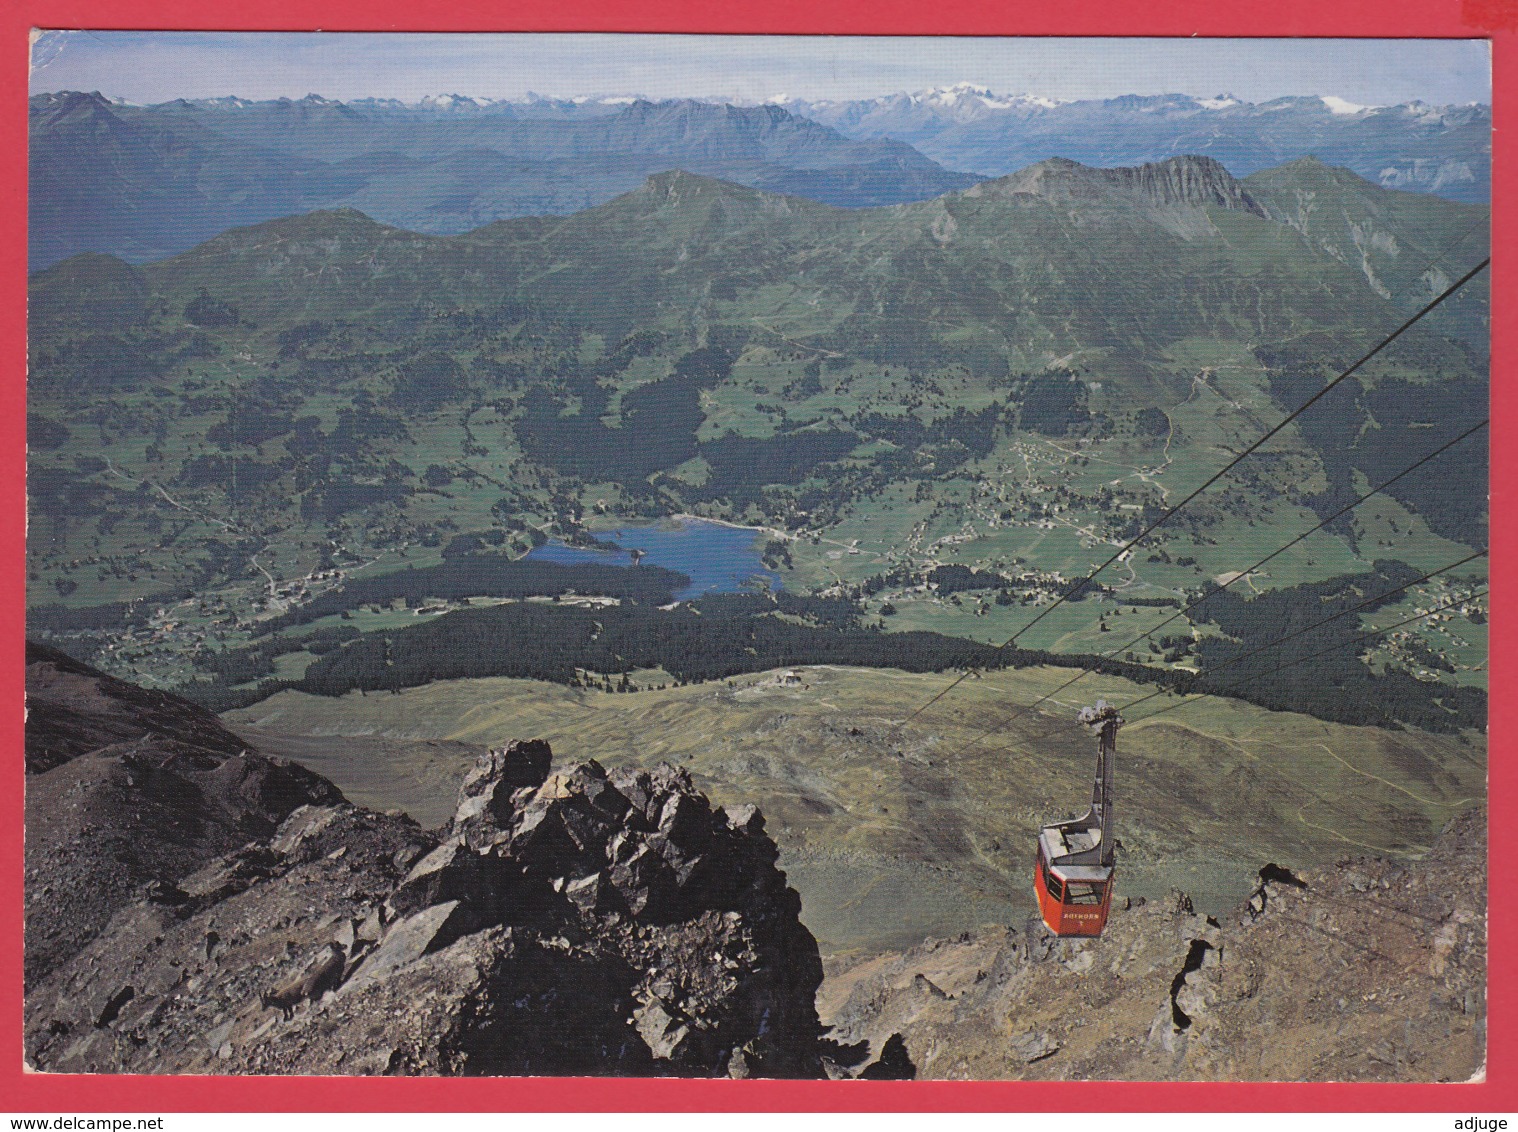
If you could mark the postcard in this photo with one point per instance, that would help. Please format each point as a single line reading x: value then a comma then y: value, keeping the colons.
x: 762, y: 557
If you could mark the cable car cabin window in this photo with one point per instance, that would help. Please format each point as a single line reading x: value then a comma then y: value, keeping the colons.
x: 1051, y: 882
x: 1077, y: 893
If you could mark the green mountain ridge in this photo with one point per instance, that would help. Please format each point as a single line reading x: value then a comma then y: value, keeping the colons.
x: 674, y: 250
x: 953, y: 381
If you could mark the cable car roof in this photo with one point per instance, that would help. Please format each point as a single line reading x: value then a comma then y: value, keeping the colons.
x: 1057, y: 842
x: 1093, y: 874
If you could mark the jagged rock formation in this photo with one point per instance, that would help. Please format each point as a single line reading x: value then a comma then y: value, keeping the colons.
x: 1189, y: 180
x: 1368, y: 971
x: 126, y: 787
x: 1174, y: 195
x: 576, y: 923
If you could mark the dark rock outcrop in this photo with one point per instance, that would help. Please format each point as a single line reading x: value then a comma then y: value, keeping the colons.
x: 72, y: 709
x: 1190, y: 180
x: 576, y: 923
x: 126, y: 788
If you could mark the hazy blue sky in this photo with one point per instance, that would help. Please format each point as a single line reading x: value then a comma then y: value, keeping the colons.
x: 157, y: 66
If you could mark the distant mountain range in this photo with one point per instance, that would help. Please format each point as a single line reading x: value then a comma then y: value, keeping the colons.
x: 1415, y: 146
x: 577, y: 314
x: 1439, y: 149
x: 685, y: 249
x: 144, y: 182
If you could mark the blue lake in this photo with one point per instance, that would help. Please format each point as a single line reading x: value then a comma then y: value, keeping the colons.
x: 717, y: 558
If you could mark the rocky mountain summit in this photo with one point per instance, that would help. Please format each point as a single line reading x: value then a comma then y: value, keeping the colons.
x: 1190, y: 180
x: 1370, y: 970
x: 572, y: 923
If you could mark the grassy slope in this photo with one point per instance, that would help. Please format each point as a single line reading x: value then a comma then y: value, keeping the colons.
x: 893, y: 833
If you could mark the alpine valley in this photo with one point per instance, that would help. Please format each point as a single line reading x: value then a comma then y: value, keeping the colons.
x: 730, y: 436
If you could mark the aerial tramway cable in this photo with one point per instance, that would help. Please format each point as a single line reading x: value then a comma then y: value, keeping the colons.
x: 1312, y: 656
x: 1075, y: 866
x: 1278, y: 642
x: 1231, y: 661
x: 1239, y: 576
x: 1219, y: 474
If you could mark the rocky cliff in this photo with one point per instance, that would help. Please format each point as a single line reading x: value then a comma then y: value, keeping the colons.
x: 126, y: 787
x: 1191, y: 181
x: 572, y: 923
x: 1367, y: 971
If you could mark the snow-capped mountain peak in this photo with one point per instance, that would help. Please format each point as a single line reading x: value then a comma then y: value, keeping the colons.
x: 449, y: 102
x: 968, y: 95
x: 950, y: 95
x: 1342, y: 106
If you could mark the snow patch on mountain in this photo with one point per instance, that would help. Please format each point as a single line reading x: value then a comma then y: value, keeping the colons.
x: 449, y: 102
x: 962, y: 93
x: 1342, y: 106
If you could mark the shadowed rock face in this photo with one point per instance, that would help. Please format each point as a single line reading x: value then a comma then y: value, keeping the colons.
x: 126, y: 787
x: 72, y: 709
x: 1189, y: 180
x: 572, y: 923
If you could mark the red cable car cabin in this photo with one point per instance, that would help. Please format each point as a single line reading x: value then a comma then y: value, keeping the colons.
x: 1073, y: 876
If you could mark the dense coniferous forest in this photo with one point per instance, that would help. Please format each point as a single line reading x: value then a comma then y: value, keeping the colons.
x: 1336, y: 685
x: 706, y: 640
x: 490, y: 575
x: 1407, y: 418
x: 728, y: 635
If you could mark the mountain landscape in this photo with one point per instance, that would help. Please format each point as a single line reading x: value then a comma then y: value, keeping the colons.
x: 579, y: 923
x: 1037, y: 362
x: 754, y: 457
x: 588, y: 921
x: 1444, y: 150
x: 144, y: 182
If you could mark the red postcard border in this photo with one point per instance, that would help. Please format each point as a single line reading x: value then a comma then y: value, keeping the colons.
x: 21, y: 1091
